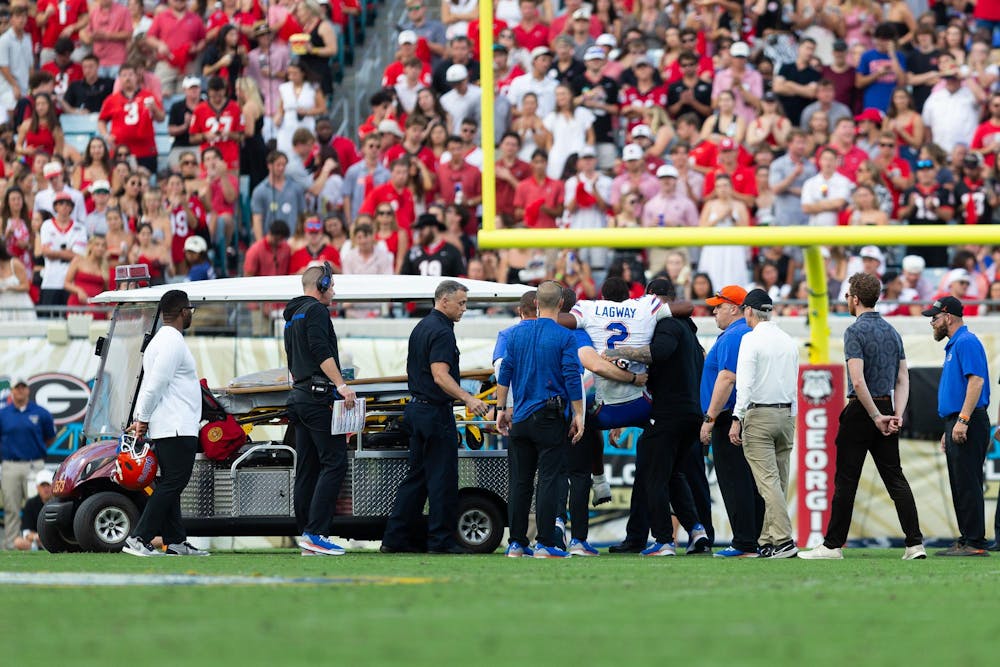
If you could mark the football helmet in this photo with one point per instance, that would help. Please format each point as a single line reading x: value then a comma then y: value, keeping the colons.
x: 135, y: 464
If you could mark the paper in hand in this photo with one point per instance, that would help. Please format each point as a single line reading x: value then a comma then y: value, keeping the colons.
x: 348, y: 421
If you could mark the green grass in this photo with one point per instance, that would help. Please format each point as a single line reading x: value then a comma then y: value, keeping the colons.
x: 870, y: 609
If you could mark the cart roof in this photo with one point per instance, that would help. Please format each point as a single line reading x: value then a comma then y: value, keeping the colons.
x: 284, y: 288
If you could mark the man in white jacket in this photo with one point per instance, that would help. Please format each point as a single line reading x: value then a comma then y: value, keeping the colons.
x: 168, y: 412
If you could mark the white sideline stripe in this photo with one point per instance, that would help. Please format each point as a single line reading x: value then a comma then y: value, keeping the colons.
x: 115, y: 580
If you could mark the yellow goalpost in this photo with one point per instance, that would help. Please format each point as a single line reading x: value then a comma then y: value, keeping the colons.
x: 810, y: 238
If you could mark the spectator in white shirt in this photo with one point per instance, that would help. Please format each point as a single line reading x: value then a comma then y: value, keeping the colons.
x: 463, y: 100
x: 536, y: 81
x: 951, y: 113
x: 62, y: 239
x: 826, y: 194
x: 764, y: 417
x: 53, y: 173
x: 366, y: 256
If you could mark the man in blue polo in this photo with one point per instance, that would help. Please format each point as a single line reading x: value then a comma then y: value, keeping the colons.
x: 26, y: 429
x: 744, y: 506
x: 963, y: 394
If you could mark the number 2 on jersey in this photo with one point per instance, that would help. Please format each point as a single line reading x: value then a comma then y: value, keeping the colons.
x: 619, y: 334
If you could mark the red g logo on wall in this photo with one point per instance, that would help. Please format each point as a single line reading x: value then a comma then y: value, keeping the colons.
x: 65, y: 396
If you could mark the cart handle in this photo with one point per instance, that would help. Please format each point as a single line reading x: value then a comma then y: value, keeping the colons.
x: 260, y: 448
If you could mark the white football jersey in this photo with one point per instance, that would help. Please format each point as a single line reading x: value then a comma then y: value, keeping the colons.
x: 612, y: 324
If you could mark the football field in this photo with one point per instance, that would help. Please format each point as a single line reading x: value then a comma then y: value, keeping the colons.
x: 278, y: 608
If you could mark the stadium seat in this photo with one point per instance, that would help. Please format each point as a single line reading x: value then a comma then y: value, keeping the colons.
x: 72, y: 123
x: 78, y: 141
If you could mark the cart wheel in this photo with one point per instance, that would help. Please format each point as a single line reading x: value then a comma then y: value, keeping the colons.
x: 103, y: 521
x: 480, y: 524
x: 53, y: 539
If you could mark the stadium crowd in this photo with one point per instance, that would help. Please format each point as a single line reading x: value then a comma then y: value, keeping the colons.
x: 197, y: 139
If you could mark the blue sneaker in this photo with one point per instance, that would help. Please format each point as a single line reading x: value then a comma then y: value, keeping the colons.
x: 698, y: 541
x: 320, y: 544
x: 560, y: 533
x: 582, y: 548
x: 516, y: 550
x: 542, y: 551
x: 733, y: 552
x: 660, y: 549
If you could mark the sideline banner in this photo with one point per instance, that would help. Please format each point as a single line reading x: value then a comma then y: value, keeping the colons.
x: 821, y: 399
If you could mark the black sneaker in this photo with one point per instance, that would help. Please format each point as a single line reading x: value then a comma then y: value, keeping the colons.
x: 626, y: 547
x: 785, y: 550
x: 963, y: 550
x: 765, y: 550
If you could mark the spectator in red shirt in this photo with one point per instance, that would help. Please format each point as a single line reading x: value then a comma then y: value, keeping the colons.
x: 532, y: 31
x: 59, y: 18
x: 458, y: 181
x: 270, y: 256
x: 178, y: 35
x: 509, y: 172
x: 743, y: 178
x: 986, y: 140
x: 131, y: 113
x: 407, y: 51
x: 218, y: 122
x: 395, y: 193
x: 315, y: 251
x: 223, y: 190
x: 849, y: 156
x: 412, y: 145
x: 62, y: 67
x: 538, y: 199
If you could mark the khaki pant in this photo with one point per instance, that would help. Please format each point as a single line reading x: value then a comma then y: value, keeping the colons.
x: 768, y: 435
x: 17, y: 479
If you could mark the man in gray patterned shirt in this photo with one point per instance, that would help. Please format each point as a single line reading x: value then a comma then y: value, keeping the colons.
x: 877, y: 378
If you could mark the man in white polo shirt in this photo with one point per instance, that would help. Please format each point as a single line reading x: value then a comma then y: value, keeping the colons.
x: 62, y: 239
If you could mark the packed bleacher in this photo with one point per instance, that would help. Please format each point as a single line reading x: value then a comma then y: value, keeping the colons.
x: 198, y: 139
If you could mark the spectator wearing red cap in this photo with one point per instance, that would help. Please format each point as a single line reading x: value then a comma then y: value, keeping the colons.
x: 178, y: 35
x: 316, y: 250
x: 869, y: 127
x: 59, y: 19
x: 218, y: 123
x: 538, y: 199
x: 62, y: 239
x: 742, y: 178
x: 131, y: 113
x: 44, y: 199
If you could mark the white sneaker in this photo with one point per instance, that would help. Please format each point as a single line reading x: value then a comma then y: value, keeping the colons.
x: 136, y: 547
x: 601, y: 489
x: 822, y: 552
x: 185, y: 549
x: 916, y: 552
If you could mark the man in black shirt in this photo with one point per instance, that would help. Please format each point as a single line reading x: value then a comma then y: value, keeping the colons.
x: 459, y: 53
x: 975, y: 196
x: 432, y: 255
x: 927, y: 203
x: 690, y: 93
x: 433, y: 376
x: 28, y: 539
x: 795, y: 85
x: 314, y: 366
x: 922, y: 65
x: 181, y: 112
x: 668, y: 441
x: 87, y: 94
x: 599, y: 93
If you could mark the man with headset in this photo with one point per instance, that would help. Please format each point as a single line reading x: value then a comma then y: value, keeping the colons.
x: 314, y: 366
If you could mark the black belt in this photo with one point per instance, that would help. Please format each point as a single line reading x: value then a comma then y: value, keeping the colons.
x: 874, y: 398
x: 424, y: 401
x: 768, y: 405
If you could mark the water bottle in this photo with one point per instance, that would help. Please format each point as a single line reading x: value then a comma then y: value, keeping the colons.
x: 661, y: 221
x: 458, y: 194
x: 570, y: 262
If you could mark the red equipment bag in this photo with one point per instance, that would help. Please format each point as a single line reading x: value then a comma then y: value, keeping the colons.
x: 222, y: 435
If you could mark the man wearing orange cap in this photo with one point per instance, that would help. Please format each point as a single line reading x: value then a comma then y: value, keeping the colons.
x: 744, y: 505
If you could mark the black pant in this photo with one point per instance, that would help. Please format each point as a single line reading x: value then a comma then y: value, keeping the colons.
x: 744, y: 506
x: 580, y: 458
x: 52, y: 297
x: 320, y: 466
x: 432, y: 475
x: 537, y: 443
x: 162, y: 514
x: 693, y: 471
x: 667, y: 444
x: 151, y: 163
x: 681, y: 500
x: 856, y: 436
x: 965, y: 472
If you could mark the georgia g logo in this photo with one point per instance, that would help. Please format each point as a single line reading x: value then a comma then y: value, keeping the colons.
x: 817, y: 386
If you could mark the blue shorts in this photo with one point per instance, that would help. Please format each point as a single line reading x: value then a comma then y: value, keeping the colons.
x: 631, y: 413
